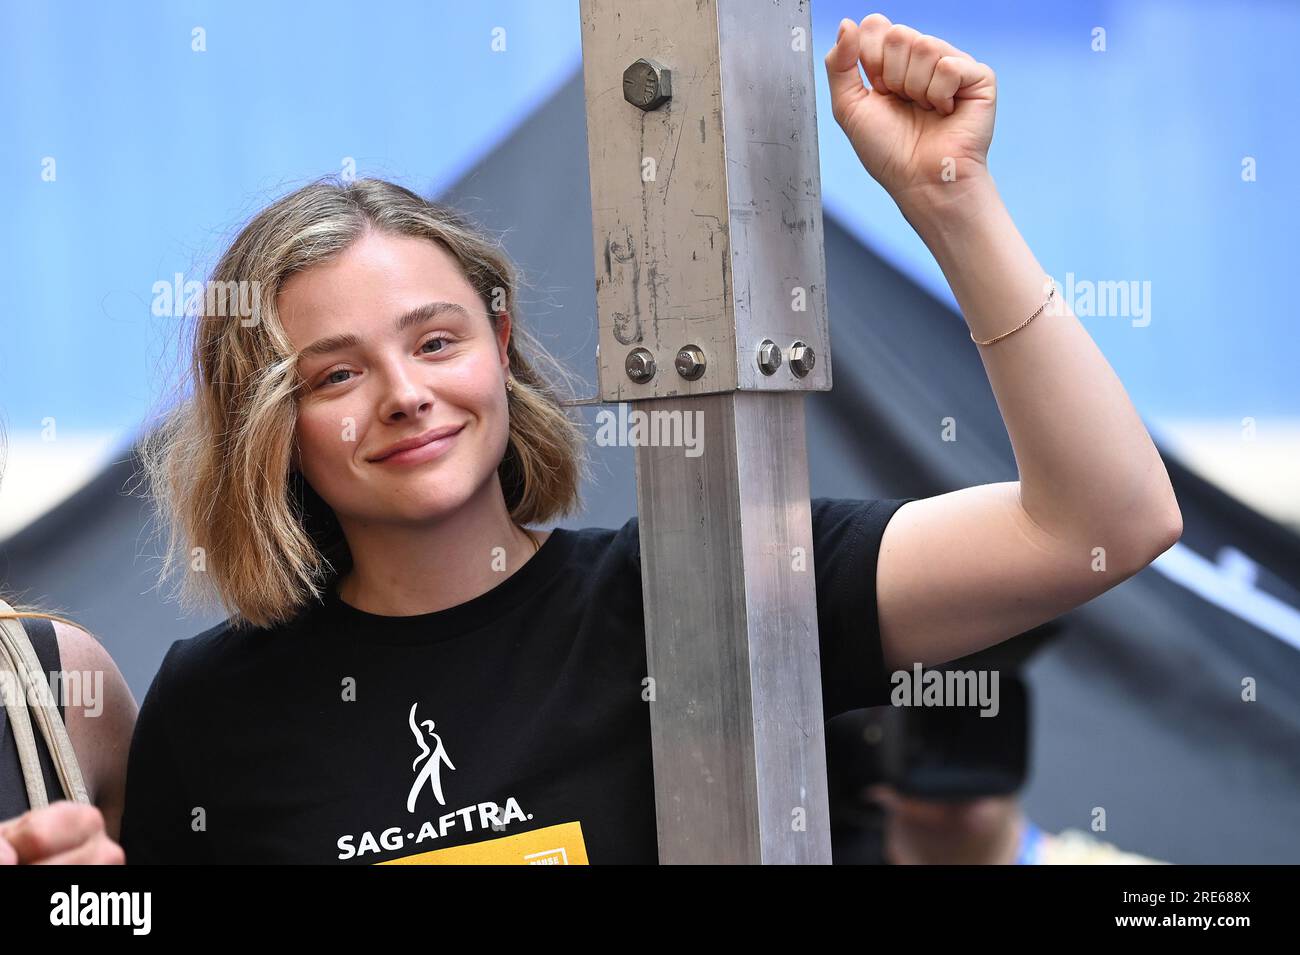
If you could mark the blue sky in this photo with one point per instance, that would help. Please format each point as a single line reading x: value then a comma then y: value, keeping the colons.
x: 1122, y: 165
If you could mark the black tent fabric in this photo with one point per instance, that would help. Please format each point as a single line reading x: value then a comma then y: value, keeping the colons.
x: 1138, y: 703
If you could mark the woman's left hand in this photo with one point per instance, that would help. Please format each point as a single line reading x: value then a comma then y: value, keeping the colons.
x: 923, y: 129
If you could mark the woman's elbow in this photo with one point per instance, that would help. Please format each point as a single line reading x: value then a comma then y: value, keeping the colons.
x: 1164, y: 532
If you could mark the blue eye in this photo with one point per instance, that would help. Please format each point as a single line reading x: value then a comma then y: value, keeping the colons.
x: 329, y: 379
x: 437, y: 338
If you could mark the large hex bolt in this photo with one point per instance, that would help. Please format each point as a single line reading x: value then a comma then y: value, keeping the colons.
x: 769, y: 356
x: 802, y: 359
x: 690, y: 362
x: 647, y: 85
x: 640, y: 365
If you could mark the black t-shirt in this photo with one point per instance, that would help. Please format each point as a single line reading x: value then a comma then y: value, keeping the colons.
x: 509, y: 728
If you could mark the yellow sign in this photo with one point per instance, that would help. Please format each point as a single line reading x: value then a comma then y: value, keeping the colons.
x: 554, y: 845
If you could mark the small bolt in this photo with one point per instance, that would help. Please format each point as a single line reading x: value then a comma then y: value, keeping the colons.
x: 769, y: 356
x: 802, y: 359
x: 640, y: 365
x: 647, y: 85
x: 690, y: 362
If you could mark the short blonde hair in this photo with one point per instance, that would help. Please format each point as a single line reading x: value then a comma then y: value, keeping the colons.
x: 219, y: 466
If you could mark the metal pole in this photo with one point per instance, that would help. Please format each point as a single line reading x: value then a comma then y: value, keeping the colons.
x: 710, y: 290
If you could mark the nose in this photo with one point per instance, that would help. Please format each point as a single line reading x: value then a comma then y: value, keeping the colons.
x: 405, y: 393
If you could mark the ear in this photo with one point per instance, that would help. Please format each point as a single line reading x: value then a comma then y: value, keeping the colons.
x: 503, y: 339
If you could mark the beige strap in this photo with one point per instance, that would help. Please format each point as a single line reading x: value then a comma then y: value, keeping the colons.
x: 15, y: 705
x: 18, y: 658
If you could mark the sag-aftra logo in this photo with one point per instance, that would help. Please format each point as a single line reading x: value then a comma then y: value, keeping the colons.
x: 431, y: 757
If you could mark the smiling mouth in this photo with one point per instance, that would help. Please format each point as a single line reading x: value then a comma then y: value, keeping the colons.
x: 422, y: 452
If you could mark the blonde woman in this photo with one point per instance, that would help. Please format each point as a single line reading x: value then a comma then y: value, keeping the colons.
x: 355, y: 470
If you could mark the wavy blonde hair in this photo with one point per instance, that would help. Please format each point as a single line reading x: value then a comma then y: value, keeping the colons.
x: 219, y: 466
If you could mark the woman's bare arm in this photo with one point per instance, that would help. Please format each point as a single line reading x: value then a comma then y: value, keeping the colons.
x: 100, y: 721
x: 1093, y: 503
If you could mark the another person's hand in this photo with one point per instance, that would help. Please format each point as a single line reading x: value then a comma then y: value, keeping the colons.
x: 62, y: 833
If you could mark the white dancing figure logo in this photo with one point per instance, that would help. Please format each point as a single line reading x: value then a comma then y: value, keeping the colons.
x: 433, y: 761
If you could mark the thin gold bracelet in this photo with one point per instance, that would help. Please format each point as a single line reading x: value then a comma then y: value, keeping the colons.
x: 1022, y: 324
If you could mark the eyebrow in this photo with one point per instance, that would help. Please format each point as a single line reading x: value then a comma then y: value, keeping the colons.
x: 415, y: 316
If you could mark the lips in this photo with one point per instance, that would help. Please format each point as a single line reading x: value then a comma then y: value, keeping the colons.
x: 418, y: 441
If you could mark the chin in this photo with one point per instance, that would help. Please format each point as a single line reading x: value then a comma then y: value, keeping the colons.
x: 424, y: 508
x: 420, y: 501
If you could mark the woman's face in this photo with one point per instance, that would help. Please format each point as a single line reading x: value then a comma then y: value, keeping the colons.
x: 394, y: 344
